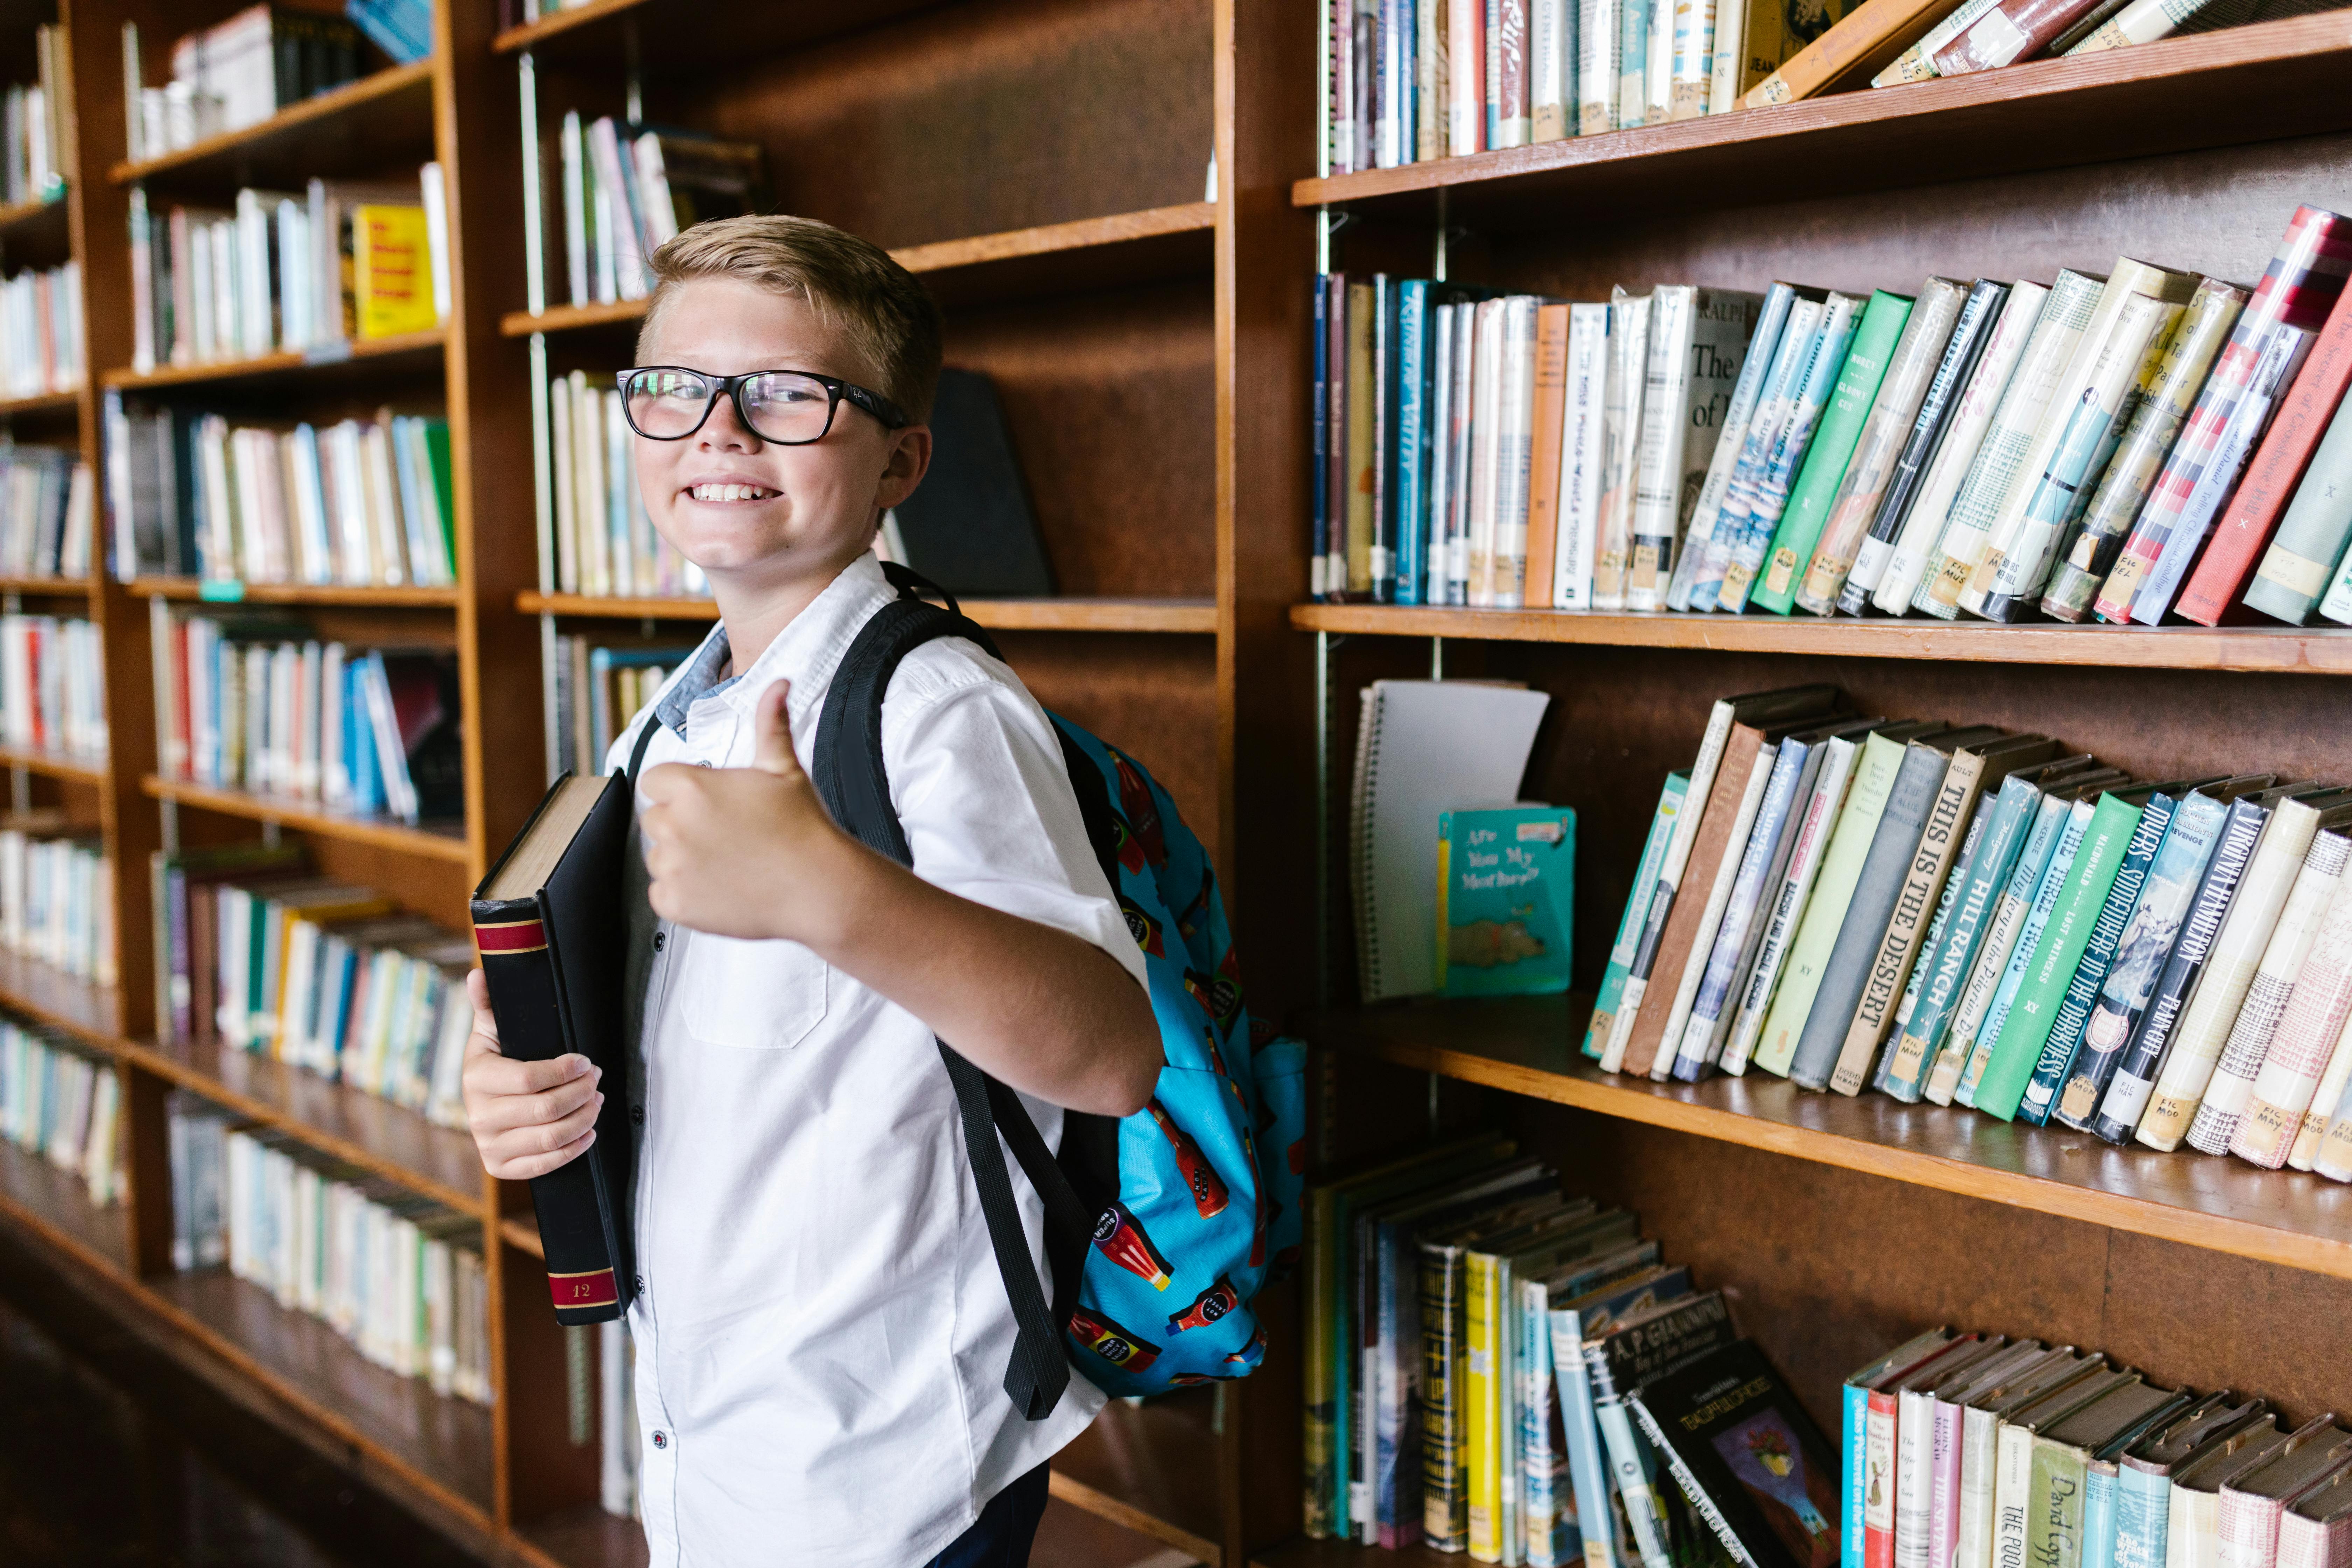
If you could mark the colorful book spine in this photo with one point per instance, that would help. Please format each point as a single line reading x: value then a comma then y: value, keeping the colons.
x: 2307, y: 1041
x: 1755, y: 361
x: 1580, y: 439
x: 1701, y: 1033
x: 1410, y: 531
x: 1823, y: 806
x: 1945, y: 965
x: 1955, y: 885
x: 1662, y: 822
x: 1784, y: 379
x: 2050, y: 884
x: 2302, y: 570
x: 1319, y: 356
x: 1790, y: 449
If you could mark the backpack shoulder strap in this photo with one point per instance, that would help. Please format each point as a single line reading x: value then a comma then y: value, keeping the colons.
x: 637, y: 755
x: 847, y: 768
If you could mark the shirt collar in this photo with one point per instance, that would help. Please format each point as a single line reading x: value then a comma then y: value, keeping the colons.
x: 806, y: 652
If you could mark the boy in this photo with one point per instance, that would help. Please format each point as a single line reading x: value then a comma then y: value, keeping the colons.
x: 822, y: 1330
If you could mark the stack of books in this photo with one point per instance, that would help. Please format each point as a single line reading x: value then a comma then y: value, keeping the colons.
x: 284, y: 272
x: 32, y: 147
x: 61, y: 1100
x: 599, y: 687
x: 397, y: 1275
x: 362, y: 503
x: 627, y: 189
x: 56, y: 895
x: 236, y: 73
x: 2001, y: 450
x: 604, y: 543
x: 52, y: 685
x: 1976, y: 1449
x: 1494, y: 1367
x: 1980, y: 35
x: 243, y: 705
x: 1951, y: 913
x: 45, y: 525
x: 40, y: 332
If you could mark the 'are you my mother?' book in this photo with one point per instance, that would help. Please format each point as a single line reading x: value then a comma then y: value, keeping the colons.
x: 550, y: 925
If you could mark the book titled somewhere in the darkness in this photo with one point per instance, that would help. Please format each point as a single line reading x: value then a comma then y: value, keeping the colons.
x: 549, y: 924
x: 1748, y: 1457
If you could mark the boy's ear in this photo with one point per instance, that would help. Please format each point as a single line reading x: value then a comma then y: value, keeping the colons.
x: 909, y: 460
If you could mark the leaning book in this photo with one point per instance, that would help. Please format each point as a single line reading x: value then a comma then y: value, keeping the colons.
x: 549, y: 924
x: 1748, y: 1457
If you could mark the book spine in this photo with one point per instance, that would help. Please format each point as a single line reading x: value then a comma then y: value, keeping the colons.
x: 2230, y: 969
x: 1580, y: 456
x: 1319, y: 1438
x: 1915, y: 1478
x: 2065, y: 1037
x: 1784, y: 378
x: 1792, y: 453
x: 1636, y: 1492
x: 1949, y: 960
x: 1598, y: 34
x: 1543, y: 1461
x: 1700, y: 1502
x: 1962, y: 348
x: 2142, y: 1503
x: 1854, y: 1470
x: 2012, y: 1485
x: 1870, y: 472
x: 2144, y: 1057
x: 2274, y: 982
x: 1979, y: 1431
x: 1765, y: 763
x: 1660, y: 904
x: 1629, y: 348
x: 2099, y: 1513
x: 1955, y: 882
x: 1765, y: 841
x: 1514, y: 450
x: 1481, y: 1409
x: 2303, y: 417
x: 1588, y: 1464
x: 1361, y: 462
x: 1825, y: 911
x: 1826, y: 461
x: 1444, y: 1508
x: 1919, y: 544
x: 1630, y: 926
x: 1319, y: 359
x: 2325, y: 1098
x: 1409, y: 495
x: 2008, y: 442
x: 2308, y: 1039
x: 1489, y: 421
x: 1878, y: 1435
x: 2189, y: 351
x: 1380, y: 553
x: 2247, y: 1529
x: 1944, y: 1483
x: 1822, y: 811
x: 1443, y: 414
x: 2312, y: 536
x: 2141, y: 954
x: 1664, y: 426
x: 1545, y: 450
x: 1755, y: 361
x: 1701, y: 888
x: 2048, y: 887
x: 2054, y: 1503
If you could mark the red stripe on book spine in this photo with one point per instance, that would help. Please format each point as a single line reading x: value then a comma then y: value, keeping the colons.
x: 595, y: 1288
x: 516, y: 936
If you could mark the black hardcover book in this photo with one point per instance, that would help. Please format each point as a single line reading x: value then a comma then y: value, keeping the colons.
x: 1747, y: 1457
x: 968, y: 526
x: 553, y: 937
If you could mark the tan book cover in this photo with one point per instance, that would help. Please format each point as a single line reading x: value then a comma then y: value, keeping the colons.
x: 1544, y: 456
x: 1862, y: 42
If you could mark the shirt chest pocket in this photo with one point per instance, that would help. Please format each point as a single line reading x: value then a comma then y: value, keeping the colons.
x: 754, y: 995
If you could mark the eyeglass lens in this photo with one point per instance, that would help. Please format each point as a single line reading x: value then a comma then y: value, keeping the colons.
x: 780, y: 406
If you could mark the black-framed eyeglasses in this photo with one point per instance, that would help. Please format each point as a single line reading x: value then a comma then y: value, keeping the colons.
x: 785, y: 408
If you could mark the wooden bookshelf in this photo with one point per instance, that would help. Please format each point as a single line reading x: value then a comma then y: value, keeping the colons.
x: 40, y: 406
x: 347, y: 130
x: 47, y: 994
x: 1137, y: 1466
x: 435, y: 843
x: 55, y: 1206
x: 598, y: 31
x: 330, y: 366
x: 47, y: 587
x: 2265, y: 649
x: 1070, y: 615
x: 231, y: 591
x: 31, y: 224
x: 55, y: 764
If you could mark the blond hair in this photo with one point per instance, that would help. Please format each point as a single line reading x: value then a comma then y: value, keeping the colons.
x: 853, y: 286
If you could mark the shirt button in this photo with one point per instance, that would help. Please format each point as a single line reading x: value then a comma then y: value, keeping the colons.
x: 661, y: 1439
x: 637, y: 1114
x: 661, y: 939
x: 704, y: 764
x: 639, y: 1281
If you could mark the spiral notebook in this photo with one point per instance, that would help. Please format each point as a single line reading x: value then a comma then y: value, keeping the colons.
x: 1422, y: 747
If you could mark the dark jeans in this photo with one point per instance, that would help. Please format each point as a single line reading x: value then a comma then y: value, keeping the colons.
x: 999, y: 1538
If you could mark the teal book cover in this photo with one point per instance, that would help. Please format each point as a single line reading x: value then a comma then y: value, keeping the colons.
x: 1506, y: 899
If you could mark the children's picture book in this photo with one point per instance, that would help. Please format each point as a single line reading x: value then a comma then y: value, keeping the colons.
x: 1506, y: 898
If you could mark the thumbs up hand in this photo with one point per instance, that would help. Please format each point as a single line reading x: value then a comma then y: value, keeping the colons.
x: 747, y: 852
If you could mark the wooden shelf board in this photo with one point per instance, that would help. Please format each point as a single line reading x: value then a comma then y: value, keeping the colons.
x: 309, y: 817
x: 46, y: 403
x: 704, y: 34
x: 292, y: 593
x: 2212, y: 90
x: 335, y: 1119
x: 1301, y: 1552
x: 582, y: 1538
x: 1529, y: 1047
x: 37, y: 234
x: 60, y: 587
x: 439, y: 1444
x: 49, y: 994
x: 1064, y: 614
x: 359, y: 357
x: 1151, y: 1468
x: 55, y: 764
x: 1058, y: 259
x: 362, y: 126
x: 2270, y: 649
x: 521, y: 1232
x: 55, y: 1206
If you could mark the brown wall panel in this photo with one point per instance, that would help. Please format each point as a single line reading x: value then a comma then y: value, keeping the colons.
x: 1154, y: 698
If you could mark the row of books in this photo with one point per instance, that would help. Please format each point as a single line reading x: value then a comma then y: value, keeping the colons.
x: 1975, y: 1450
x: 56, y: 895
x: 281, y: 272
x: 1495, y: 1367
x: 40, y: 332
x: 254, y: 704
x: 401, y: 28
x: 398, y: 1276
x: 234, y: 74
x: 1981, y: 35
x: 1989, y: 448
x: 61, y: 1100
x: 604, y: 542
x: 1415, y: 81
x: 599, y: 687
x: 256, y: 953
x: 53, y: 685
x: 46, y: 518
x: 362, y: 503
x: 1955, y: 914
x: 32, y: 134
x: 625, y: 188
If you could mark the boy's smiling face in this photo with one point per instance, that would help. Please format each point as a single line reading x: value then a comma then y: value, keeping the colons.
x: 756, y: 517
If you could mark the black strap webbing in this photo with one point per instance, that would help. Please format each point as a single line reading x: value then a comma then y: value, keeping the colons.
x: 851, y: 779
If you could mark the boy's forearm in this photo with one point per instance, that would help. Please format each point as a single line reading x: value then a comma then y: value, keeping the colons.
x: 1046, y: 1012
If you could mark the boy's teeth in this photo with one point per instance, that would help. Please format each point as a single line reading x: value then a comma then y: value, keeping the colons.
x: 729, y: 492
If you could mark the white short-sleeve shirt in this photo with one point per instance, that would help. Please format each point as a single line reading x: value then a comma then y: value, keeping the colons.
x: 822, y: 1332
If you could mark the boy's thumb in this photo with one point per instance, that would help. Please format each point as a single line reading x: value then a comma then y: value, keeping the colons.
x: 774, y: 753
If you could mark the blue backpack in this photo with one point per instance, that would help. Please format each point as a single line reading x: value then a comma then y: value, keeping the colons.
x: 1160, y: 1226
